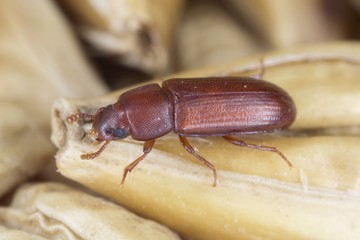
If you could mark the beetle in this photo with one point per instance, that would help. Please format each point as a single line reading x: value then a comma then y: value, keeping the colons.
x: 193, y: 107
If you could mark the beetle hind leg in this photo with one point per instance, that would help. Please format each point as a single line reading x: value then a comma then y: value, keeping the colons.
x: 241, y: 143
x: 148, y: 146
x: 191, y: 150
x: 262, y: 70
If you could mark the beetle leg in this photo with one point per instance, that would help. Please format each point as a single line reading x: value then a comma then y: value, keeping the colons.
x: 148, y: 145
x: 260, y: 75
x: 241, y: 143
x: 191, y: 150
x: 95, y: 154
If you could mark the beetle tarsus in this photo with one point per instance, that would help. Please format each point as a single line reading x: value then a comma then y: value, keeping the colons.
x: 241, y: 143
x: 191, y: 150
x: 148, y: 145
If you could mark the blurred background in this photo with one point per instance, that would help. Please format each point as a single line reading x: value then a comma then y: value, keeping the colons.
x: 130, y: 41
x: 51, y: 49
x: 81, y: 49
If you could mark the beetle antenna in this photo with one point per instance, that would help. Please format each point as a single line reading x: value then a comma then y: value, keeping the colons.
x: 75, y: 117
x: 89, y: 156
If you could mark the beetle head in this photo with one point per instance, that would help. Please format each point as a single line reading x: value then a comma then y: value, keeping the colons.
x: 111, y: 123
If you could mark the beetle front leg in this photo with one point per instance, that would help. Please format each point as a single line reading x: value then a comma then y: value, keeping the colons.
x: 148, y: 146
x: 89, y: 156
x: 241, y: 143
x: 191, y: 150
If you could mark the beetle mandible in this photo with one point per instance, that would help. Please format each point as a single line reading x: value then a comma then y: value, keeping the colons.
x: 212, y: 106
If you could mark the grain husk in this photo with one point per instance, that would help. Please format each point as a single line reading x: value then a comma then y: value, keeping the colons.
x: 40, y: 61
x: 8, y: 233
x: 24, y: 148
x: 258, y: 196
x: 136, y: 33
x: 56, y: 211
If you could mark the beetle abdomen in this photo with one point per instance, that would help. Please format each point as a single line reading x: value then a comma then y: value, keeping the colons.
x: 239, y: 105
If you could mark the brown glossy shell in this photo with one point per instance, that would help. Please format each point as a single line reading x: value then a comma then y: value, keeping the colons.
x: 224, y: 106
x: 149, y: 112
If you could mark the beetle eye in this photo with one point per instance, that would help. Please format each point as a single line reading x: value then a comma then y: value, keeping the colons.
x: 119, y: 133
